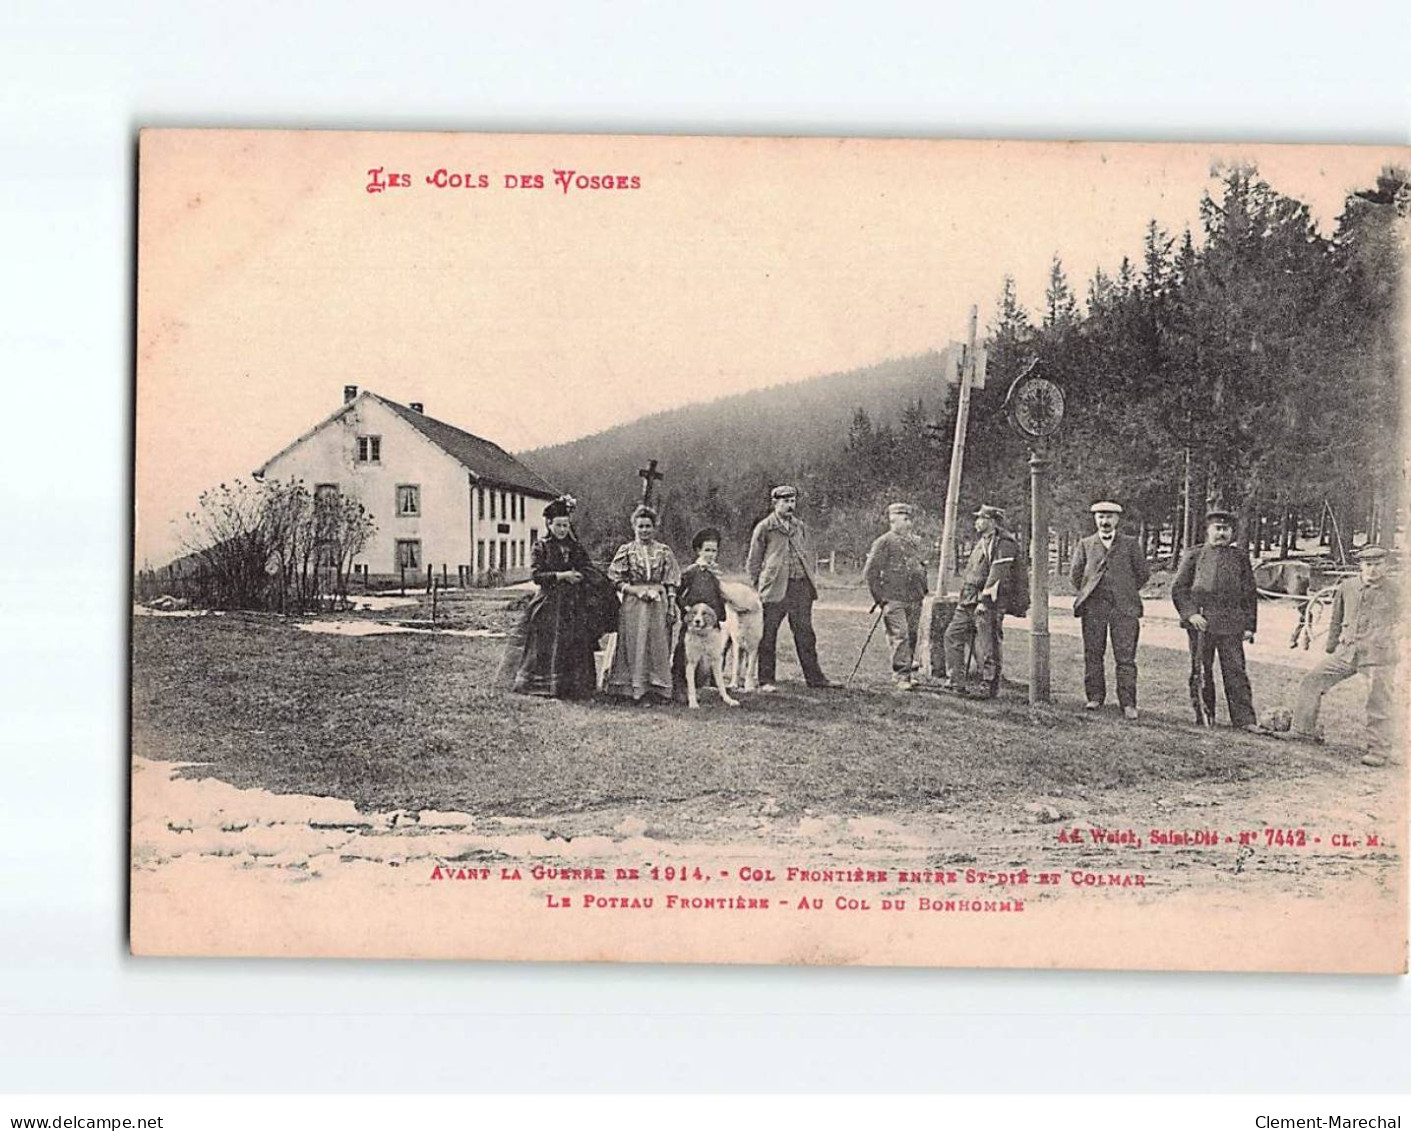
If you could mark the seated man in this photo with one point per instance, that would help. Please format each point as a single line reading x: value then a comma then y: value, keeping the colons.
x: 1362, y: 637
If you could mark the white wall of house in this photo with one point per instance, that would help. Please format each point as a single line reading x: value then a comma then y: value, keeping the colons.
x: 446, y: 529
x: 505, y: 524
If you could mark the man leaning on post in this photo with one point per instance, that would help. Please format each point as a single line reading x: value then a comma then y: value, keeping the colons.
x: 979, y: 614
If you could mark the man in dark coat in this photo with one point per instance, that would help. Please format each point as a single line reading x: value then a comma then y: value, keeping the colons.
x: 1214, y: 593
x: 1108, y: 572
x: 1363, y: 636
x: 979, y: 615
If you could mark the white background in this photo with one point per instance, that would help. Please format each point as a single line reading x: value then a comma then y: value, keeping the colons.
x: 75, y: 84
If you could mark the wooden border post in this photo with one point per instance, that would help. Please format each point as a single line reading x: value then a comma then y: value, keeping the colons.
x: 1039, y: 691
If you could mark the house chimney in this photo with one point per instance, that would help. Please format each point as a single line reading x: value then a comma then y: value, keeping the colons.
x: 417, y: 406
x: 350, y: 393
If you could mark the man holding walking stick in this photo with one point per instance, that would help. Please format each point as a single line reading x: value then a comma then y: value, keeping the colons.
x: 1215, y: 594
x: 896, y: 578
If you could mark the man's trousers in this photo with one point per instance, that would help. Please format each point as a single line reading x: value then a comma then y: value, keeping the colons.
x: 797, y: 608
x: 1101, y: 621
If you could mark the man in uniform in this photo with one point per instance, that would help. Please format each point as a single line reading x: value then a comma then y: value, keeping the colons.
x: 1214, y: 593
x: 979, y: 615
x: 1109, y: 570
x: 1362, y: 637
x: 896, y: 578
x: 782, y: 568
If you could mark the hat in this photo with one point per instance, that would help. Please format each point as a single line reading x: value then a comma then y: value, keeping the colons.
x: 784, y: 491
x: 1219, y: 516
x: 987, y: 511
x: 901, y: 508
x: 561, y: 507
x: 1371, y: 554
x: 701, y: 537
x: 1106, y: 508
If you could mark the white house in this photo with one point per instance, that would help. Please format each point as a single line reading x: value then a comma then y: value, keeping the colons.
x: 440, y: 497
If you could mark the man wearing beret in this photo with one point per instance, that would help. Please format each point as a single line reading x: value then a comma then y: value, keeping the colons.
x: 979, y: 615
x: 896, y: 577
x: 1214, y: 592
x: 1363, y: 637
x: 782, y: 568
x: 1108, y: 572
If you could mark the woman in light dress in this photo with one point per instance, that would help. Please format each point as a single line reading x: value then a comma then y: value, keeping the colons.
x: 647, y: 576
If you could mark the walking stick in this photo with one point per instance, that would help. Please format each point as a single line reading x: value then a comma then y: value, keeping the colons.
x: 881, y: 612
x: 1204, y: 712
x: 1198, y: 639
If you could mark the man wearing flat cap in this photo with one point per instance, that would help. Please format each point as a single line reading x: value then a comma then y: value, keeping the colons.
x: 783, y: 569
x: 1108, y: 572
x: 896, y: 577
x: 1363, y: 636
x: 979, y: 615
x: 1215, y: 594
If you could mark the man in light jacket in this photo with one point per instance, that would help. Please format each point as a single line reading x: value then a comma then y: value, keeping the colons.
x: 1363, y: 636
x: 783, y: 569
x: 1108, y: 572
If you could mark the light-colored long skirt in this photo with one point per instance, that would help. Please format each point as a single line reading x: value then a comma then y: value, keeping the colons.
x: 641, y: 664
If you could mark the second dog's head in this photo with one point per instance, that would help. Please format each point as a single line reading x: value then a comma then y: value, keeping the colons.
x: 701, y: 618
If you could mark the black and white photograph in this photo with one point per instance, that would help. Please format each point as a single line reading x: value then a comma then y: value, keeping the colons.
x: 770, y: 550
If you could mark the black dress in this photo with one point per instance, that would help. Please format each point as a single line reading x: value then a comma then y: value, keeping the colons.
x: 551, y: 653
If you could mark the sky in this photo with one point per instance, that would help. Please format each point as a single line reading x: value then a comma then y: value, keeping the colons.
x: 269, y: 277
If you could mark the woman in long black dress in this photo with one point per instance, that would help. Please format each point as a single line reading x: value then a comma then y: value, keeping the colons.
x: 551, y: 653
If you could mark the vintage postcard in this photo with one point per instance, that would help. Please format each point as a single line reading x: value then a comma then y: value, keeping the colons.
x: 770, y: 550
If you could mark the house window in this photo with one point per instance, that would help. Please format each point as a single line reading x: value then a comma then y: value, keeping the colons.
x: 521, y: 508
x: 522, y: 559
x: 492, y: 504
x: 504, y: 505
x: 369, y: 449
x: 408, y: 500
x: 514, y: 555
x: 533, y: 537
x: 408, y: 553
x: 480, y: 496
x: 504, y: 554
x: 480, y: 556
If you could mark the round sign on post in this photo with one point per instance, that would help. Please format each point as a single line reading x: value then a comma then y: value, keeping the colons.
x: 1034, y: 405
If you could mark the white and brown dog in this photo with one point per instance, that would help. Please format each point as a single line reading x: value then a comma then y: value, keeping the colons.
x: 744, y: 629
x: 704, y: 642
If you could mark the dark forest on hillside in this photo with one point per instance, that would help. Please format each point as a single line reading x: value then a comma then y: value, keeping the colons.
x: 1253, y: 364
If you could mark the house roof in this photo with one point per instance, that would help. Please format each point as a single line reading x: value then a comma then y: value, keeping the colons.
x: 488, y: 463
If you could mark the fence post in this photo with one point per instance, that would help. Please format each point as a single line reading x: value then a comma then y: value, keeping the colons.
x: 428, y: 577
x: 433, y: 603
x: 404, y: 580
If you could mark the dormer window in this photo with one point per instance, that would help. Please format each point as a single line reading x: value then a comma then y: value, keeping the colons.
x: 369, y: 449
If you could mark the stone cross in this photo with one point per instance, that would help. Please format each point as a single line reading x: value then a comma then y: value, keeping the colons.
x: 649, y: 475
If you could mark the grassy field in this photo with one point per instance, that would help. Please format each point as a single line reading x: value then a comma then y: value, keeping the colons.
x: 416, y: 722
